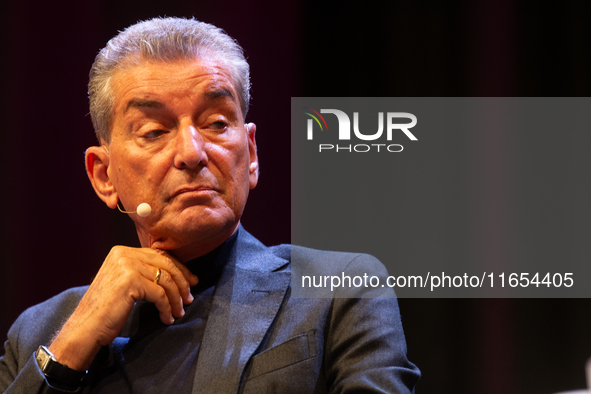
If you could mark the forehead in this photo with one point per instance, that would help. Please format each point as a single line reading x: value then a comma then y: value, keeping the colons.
x: 179, y: 79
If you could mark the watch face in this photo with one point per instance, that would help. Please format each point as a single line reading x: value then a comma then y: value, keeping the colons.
x: 43, y: 358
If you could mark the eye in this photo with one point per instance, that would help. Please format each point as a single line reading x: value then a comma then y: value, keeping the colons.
x: 153, y: 134
x: 219, y: 125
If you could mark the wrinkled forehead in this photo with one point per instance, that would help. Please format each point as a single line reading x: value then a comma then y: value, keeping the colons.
x: 136, y: 70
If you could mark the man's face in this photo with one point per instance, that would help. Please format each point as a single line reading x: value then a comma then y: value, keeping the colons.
x: 179, y: 143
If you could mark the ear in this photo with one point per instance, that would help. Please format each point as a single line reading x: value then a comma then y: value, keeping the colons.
x: 97, y: 164
x: 253, y: 168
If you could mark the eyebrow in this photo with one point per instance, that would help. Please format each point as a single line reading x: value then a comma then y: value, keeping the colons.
x: 138, y: 103
x: 210, y: 95
x: 223, y: 92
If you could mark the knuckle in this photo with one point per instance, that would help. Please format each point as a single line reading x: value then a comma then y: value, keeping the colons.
x: 170, y: 266
x: 164, y: 277
x: 117, y: 251
x: 126, y: 269
x: 124, y: 276
x: 184, y: 284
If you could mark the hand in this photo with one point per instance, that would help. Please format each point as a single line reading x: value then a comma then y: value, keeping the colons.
x: 126, y: 276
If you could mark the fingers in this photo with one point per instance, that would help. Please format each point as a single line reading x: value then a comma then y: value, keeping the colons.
x: 164, y: 294
x: 158, y: 295
x: 175, y: 279
x: 132, y: 272
x: 127, y: 275
x: 181, y: 275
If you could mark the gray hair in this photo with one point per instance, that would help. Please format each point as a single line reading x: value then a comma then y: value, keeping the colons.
x: 162, y: 39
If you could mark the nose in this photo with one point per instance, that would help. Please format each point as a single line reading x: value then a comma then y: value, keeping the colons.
x: 190, y: 149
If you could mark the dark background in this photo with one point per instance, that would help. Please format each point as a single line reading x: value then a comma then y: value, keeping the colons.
x: 55, y: 232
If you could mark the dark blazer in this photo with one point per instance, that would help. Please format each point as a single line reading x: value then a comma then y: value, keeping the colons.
x: 258, y: 339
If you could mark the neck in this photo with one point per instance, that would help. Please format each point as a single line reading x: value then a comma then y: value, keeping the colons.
x: 190, y: 249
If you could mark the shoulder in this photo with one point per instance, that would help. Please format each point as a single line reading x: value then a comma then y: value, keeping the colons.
x: 316, y: 256
x: 249, y: 245
x: 56, y: 307
x: 328, y: 274
x: 328, y: 262
x: 38, y: 324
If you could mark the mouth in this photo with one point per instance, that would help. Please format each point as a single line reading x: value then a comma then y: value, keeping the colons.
x: 193, y: 190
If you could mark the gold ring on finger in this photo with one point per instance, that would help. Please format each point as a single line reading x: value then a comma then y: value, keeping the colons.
x: 158, y: 273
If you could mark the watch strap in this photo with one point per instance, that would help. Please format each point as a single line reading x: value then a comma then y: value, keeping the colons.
x: 55, y: 371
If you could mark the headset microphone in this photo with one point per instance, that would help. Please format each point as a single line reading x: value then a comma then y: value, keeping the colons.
x: 144, y: 209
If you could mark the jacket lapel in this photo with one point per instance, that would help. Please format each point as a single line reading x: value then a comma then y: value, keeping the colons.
x: 246, y: 300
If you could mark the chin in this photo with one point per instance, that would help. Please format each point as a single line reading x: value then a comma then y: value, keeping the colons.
x: 190, y: 230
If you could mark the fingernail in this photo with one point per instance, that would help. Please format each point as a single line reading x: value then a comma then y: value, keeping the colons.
x: 171, y: 319
x: 191, y: 298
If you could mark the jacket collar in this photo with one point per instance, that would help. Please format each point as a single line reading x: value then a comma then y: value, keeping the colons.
x: 246, y: 300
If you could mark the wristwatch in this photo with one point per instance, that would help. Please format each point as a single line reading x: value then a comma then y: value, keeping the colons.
x: 56, y: 372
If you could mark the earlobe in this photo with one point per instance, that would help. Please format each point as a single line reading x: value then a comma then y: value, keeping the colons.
x: 97, y: 165
x: 253, y: 168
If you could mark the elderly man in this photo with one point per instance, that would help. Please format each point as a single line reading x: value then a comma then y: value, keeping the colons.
x: 202, y: 306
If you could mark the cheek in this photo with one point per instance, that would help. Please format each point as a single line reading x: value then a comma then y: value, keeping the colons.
x: 131, y: 179
x: 229, y: 159
x: 231, y: 170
